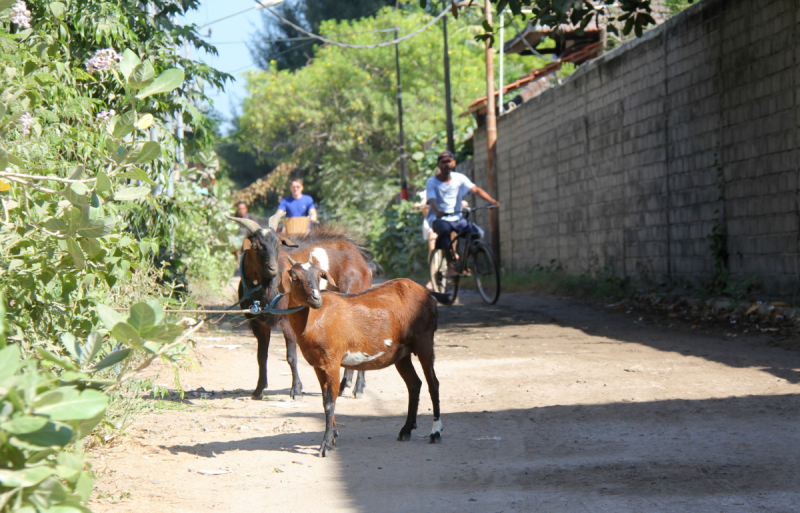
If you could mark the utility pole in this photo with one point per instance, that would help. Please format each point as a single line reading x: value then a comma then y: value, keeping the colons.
x: 451, y: 145
x: 403, y: 183
x: 491, y: 136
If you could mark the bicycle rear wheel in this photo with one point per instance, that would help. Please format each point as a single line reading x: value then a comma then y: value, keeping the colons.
x: 437, y: 263
x: 486, y: 272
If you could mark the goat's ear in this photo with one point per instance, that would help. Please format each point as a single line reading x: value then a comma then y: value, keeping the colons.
x: 247, y: 244
x: 285, y: 285
x: 326, y: 276
x: 286, y: 241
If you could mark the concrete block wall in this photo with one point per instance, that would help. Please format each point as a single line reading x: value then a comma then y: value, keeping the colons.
x: 633, y: 160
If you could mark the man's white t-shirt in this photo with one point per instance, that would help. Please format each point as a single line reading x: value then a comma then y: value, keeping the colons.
x: 448, y: 195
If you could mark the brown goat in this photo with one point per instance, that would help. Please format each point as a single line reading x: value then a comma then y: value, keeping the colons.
x: 263, y: 261
x: 369, y: 330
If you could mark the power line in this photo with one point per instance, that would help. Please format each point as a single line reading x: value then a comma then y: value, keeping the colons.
x: 357, y: 47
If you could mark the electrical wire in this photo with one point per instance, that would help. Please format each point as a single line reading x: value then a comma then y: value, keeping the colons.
x: 358, y: 47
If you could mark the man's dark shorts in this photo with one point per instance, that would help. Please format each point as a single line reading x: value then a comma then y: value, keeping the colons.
x: 443, y: 230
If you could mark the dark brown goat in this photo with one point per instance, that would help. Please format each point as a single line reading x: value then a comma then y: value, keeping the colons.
x: 263, y: 261
x: 369, y: 330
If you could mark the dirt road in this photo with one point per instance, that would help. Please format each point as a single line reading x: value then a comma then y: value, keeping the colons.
x: 547, y: 404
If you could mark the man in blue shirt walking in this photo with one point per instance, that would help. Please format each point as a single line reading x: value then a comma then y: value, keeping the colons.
x: 445, y: 191
x: 299, y: 204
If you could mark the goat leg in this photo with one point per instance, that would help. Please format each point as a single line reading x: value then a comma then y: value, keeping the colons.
x: 329, y: 383
x: 414, y: 385
x: 261, y: 330
x: 347, y: 381
x: 291, y: 357
x: 361, y: 382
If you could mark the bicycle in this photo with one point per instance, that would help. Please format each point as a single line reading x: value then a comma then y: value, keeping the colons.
x: 471, y: 254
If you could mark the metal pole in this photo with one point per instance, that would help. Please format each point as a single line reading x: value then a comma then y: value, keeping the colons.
x: 451, y: 145
x: 403, y: 183
x: 502, y: 59
x: 491, y: 136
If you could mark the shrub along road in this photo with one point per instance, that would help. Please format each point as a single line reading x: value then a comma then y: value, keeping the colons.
x: 547, y: 404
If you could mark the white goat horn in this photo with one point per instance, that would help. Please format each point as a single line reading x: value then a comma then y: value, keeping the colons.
x: 291, y: 261
x: 310, y: 260
x: 249, y: 224
x: 274, y: 220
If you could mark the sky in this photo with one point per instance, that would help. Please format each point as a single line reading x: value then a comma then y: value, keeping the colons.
x: 232, y: 38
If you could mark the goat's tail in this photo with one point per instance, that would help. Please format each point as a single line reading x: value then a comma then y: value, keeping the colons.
x: 372, y: 264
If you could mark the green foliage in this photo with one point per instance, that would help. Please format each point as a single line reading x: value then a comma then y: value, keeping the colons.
x: 48, y: 408
x: 73, y: 177
x: 308, y: 14
x: 633, y: 15
x: 337, y: 116
x: 397, y: 243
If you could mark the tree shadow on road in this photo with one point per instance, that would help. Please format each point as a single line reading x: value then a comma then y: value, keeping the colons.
x: 529, y: 308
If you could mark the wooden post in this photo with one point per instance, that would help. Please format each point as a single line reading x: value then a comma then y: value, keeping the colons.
x: 403, y: 182
x: 491, y: 137
x: 451, y: 146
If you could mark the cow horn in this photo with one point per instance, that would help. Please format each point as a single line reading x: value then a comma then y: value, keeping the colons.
x: 274, y: 220
x: 291, y: 261
x: 249, y: 224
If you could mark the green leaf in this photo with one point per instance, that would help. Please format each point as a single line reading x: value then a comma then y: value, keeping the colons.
x: 135, y: 173
x: 142, y: 76
x: 166, y: 82
x: 25, y: 478
x: 7, y: 4
x: 76, y: 253
x: 24, y: 424
x: 129, y: 61
x: 124, y: 124
x: 103, y: 183
x: 155, y: 305
x: 77, y: 172
x: 147, y: 152
x: 3, y: 159
x: 68, y: 341
x: 109, y: 316
x: 91, y: 247
x: 131, y: 193
x: 58, y: 9
x: 83, y: 487
x: 141, y: 316
x: 97, y: 229
x: 76, y: 193
x: 112, y: 359
x: 94, y: 343
x: 50, y: 357
x: 164, y: 333
x: 53, y: 433
x: 15, y: 160
x: 70, y: 404
x: 9, y: 362
x: 127, y: 334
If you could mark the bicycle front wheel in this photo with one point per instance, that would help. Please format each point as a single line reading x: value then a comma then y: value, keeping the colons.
x: 486, y: 272
x: 437, y: 263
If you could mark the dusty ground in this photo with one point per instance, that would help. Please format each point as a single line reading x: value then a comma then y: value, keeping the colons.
x: 547, y: 404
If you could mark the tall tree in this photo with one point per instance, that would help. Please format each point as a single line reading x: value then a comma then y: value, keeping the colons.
x: 270, y: 48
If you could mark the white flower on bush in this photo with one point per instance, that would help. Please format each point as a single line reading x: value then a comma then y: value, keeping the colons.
x: 21, y: 16
x: 103, y: 60
x: 104, y: 115
x: 26, y: 120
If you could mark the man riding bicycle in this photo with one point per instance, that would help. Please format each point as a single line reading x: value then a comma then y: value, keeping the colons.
x: 445, y: 191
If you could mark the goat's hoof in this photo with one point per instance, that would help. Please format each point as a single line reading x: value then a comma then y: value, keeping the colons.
x: 404, y: 437
x: 256, y: 396
x: 436, y: 438
x: 358, y: 395
x: 296, y: 394
x: 324, y: 449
